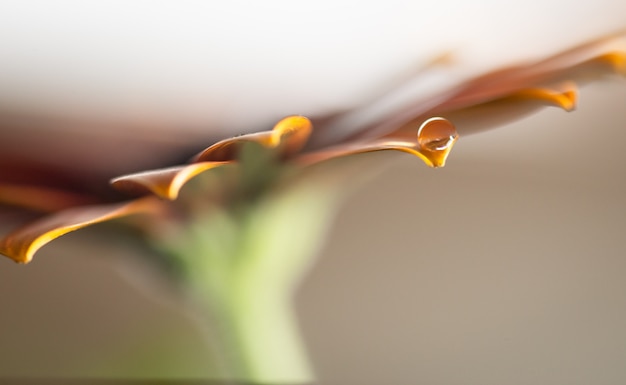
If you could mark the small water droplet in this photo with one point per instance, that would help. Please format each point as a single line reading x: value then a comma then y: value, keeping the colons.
x: 435, y: 137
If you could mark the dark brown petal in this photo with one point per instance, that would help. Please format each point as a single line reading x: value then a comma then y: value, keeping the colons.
x: 21, y: 244
x: 166, y: 182
x: 288, y: 136
x: 40, y: 198
x: 431, y: 142
x: 22, y: 171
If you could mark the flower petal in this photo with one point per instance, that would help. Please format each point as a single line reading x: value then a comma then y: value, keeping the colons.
x: 166, y: 182
x: 432, y: 143
x: 21, y: 244
x: 288, y: 136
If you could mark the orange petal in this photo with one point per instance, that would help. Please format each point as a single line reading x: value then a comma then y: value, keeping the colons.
x: 288, y: 135
x: 165, y: 183
x: 21, y: 244
x: 40, y: 198
x: 433, y: 143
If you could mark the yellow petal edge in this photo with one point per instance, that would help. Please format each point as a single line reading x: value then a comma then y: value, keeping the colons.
x: 23, y: 243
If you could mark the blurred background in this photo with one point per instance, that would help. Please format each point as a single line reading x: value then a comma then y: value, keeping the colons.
x: 506, y: 266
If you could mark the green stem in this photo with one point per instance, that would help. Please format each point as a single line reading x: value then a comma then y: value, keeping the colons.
x: 259, y: 337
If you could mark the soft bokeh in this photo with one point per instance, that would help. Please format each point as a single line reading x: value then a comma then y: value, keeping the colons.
x: 506, y: 266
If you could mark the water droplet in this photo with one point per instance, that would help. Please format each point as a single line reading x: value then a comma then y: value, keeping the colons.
x: 435, y: 137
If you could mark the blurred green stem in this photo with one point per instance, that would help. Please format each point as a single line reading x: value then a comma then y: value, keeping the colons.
x: 259, y: 336
x: 244, y: 264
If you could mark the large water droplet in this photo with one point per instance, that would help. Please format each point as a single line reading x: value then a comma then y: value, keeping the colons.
x: 435, y: 137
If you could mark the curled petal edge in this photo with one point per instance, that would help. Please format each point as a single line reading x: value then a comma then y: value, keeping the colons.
x: 289, y: 135
x: 165, y: 183
x: 22, y: 244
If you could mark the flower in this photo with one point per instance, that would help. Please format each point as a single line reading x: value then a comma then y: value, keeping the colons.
x: 234, y: 253
x: 424, y: 129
